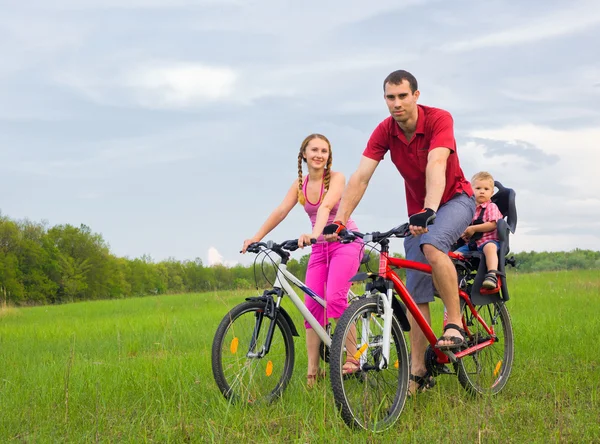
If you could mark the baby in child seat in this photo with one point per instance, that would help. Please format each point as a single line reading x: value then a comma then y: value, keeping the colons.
x: 482, y: 235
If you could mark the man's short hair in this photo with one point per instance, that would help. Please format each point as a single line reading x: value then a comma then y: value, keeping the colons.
x: 397, y: 77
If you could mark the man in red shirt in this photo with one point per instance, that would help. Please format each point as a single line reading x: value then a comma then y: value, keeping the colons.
x: 421, y: 143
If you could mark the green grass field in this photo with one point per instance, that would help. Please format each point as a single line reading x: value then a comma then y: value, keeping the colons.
x: 138, y: 370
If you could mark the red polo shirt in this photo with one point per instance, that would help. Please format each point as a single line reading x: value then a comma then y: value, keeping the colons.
x: 434, y: 130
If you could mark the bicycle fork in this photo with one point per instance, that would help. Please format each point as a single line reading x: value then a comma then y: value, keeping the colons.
x: 271, y: 312
x: 384, y: 305
x: 388, y: 314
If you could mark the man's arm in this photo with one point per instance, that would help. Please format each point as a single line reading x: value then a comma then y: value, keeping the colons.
x: 435, y: 177
x: 356, y: 188
x: 435, y: 184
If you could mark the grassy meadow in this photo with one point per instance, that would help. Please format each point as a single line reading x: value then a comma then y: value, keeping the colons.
x: 138, y: 370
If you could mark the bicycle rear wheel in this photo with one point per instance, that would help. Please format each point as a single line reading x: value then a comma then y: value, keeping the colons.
x: 241, y: 373
x: 486, y: 372
x: 371, y: 398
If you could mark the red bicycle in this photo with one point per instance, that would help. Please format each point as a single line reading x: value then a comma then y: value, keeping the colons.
x: 373, y: 397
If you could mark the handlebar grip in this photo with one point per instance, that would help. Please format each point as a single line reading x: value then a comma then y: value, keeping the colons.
x: 346, y: 236
x: 254, y: 247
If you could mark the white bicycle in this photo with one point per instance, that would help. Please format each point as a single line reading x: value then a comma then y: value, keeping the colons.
x: 253, y: 349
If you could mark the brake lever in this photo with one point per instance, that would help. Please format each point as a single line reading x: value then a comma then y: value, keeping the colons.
x: 346, y: 236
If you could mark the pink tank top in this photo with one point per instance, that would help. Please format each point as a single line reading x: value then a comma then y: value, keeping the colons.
x: 312, y: 208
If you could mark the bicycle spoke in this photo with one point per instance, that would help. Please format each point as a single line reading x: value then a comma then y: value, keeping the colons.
x: 372, y: 398
x: 487, y: 370
x: 240, y: 371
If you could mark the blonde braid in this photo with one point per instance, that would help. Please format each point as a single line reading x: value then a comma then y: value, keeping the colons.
x: 301, y: 198
x: 327, y: 175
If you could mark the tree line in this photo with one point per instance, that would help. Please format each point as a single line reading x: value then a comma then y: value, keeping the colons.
x: 65, y: 263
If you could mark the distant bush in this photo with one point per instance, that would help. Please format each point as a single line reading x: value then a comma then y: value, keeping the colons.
x: 64, y: 263
x: 557, y: 260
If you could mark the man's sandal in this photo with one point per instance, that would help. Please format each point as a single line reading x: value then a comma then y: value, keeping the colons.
x: 456, y: 342
x: 421, y: 383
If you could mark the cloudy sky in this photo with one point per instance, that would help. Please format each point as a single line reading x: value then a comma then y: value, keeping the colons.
x: 172, y: 127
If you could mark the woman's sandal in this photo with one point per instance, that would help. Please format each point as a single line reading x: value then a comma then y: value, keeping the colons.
x: 421, y: 383
x: 311, y: 380
x: 351, y: 366
x: 490, y: 281
x: 457, y: 342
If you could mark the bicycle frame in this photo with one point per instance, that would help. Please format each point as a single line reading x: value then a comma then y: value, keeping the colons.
x: 386, y: 272
x: 282, y: 282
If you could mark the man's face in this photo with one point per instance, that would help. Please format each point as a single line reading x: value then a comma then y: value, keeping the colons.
x: 401, y: 101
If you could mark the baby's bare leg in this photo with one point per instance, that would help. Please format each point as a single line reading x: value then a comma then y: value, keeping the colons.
x: 491, y: 255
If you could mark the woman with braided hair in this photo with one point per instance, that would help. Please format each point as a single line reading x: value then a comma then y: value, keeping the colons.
x: 331, y: 265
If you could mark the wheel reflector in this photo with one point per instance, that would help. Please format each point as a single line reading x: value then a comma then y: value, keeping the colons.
x: 269, y: 369
x: 361, y: 350
x: 497, y: 369
x: 234, y: 345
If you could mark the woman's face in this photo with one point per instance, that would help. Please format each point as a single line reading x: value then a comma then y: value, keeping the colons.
x: 316, y: 153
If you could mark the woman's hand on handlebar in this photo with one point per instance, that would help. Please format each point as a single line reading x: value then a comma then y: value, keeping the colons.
x: 305, y: 239
x: 247, y: 242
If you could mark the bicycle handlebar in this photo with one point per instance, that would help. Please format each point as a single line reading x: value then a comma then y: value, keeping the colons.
x: 290, y: 245
x: 401, y: 231
x: 346, y: 236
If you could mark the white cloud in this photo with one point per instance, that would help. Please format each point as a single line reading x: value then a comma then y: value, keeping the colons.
x: 128, y: 4
x: 216, y: 258
x: 179, y: 84
x: 476, y: 153
x: 151, y: 84
x: 298, y: 22
x: 573, y: 146
x: 129, y: 68
x: 559, y: 23
x: 553, y: 242
x: 561, y: 197
x: 540, y: 87
x: 98, y: 158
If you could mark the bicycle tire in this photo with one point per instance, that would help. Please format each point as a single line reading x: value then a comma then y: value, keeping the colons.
x: 371, y: 399
x: 486, y: 372
x: 252, y: 379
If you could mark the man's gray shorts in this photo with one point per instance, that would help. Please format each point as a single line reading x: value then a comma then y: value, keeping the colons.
x: 452, y: 219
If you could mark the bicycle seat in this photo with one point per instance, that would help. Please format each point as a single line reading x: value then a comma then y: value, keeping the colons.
x: 504, y: 199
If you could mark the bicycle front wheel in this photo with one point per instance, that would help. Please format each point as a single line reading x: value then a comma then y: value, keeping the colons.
x: 242, y: 370
x: 486, y: 372
x: 373, y: 397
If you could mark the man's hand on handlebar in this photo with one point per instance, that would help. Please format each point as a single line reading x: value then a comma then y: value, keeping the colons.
x: 332, y: 230
x: 418, y: 222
